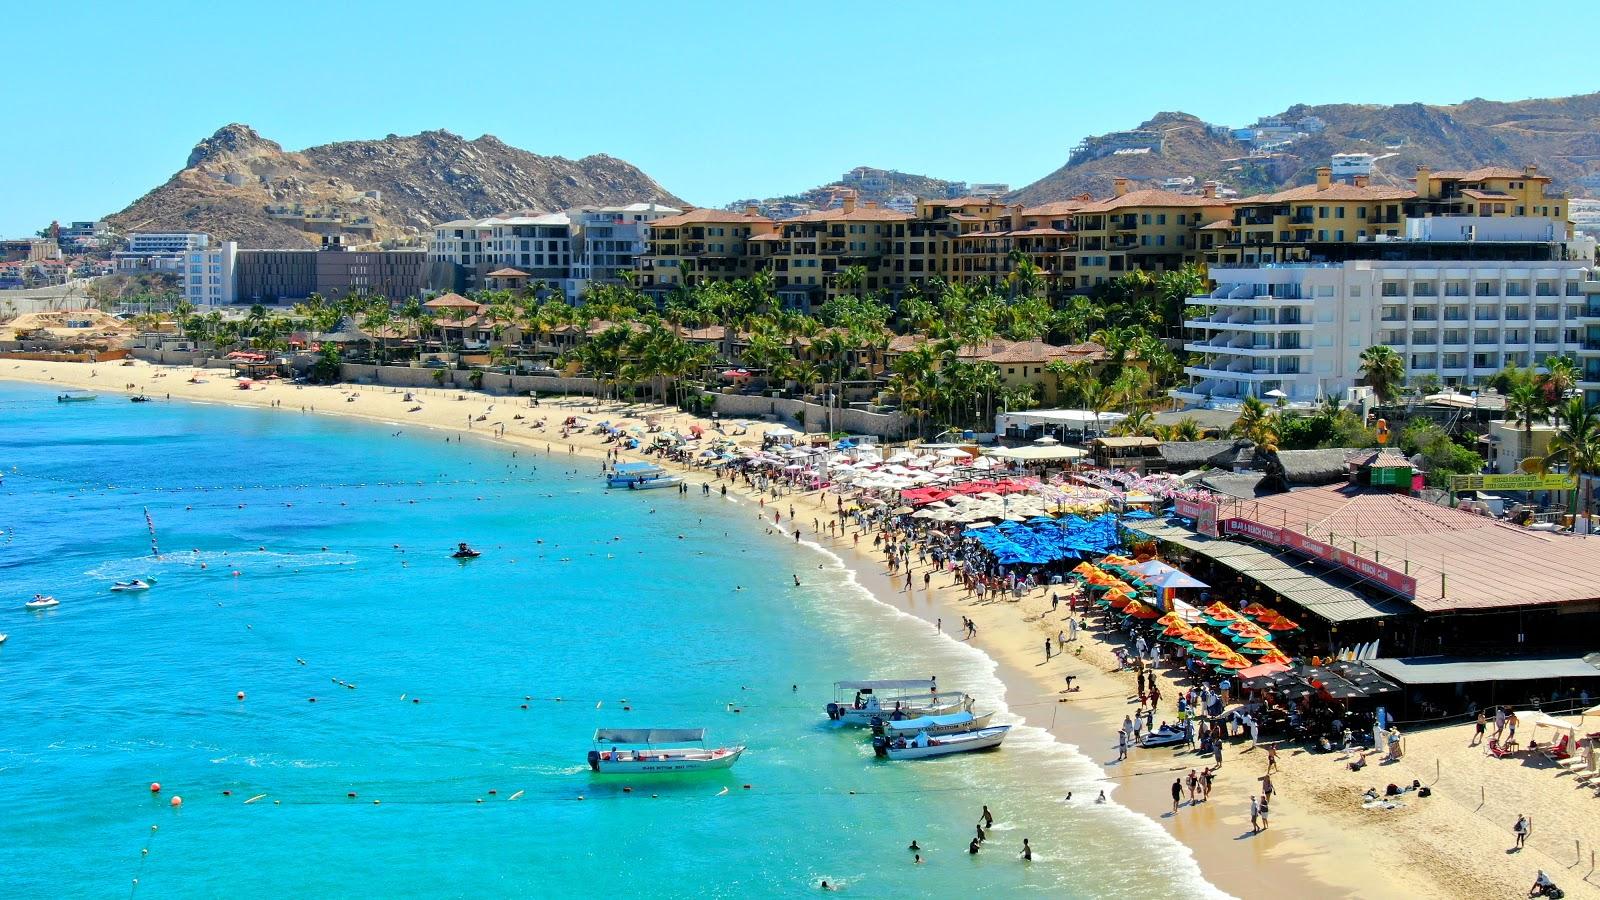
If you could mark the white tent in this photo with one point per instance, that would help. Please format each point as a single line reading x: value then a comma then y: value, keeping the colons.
x: 954, y: 453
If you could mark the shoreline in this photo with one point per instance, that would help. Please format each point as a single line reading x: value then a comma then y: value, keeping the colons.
x: 1310, y: 849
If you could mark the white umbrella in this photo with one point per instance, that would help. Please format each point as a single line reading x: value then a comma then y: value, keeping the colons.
x: 982, y: 462
x: 1046, y: 441
x: 1276, y: 394
x: 954, y: 453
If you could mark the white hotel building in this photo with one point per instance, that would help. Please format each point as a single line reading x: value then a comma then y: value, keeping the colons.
x: 1515, y: 293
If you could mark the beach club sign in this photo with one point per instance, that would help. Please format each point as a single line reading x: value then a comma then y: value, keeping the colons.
x: 1394, y: 580
x: 1202, y: 512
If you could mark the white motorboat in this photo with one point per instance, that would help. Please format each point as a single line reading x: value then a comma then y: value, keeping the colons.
x: 924, y: 746
x: 640, y: 477
x: 657, y: 751
x: 3, y: 637
x: 946, y: 724
x: 885, y: 699
x: 74, y: 397
x: 40, y: 601
x: 137, y: 584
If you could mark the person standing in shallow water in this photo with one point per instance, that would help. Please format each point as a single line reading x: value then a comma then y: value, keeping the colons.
x: 1027, y: 851
x: 987, y: 817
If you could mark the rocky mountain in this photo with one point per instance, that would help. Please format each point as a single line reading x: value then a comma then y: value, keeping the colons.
x: 1560, y: 135
x: 238, y: 185
x: 870, y: 184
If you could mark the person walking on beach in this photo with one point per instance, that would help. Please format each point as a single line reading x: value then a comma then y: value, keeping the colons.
x: 1072, y: 628
x: 1192, y: 783
x: 1483, y: 723
x: 1046, y: 649
x: 1216, y: 750
x: 1266, y: 790
x: 938, y: 626
x: 1272, y: 758
x: 1522, y: 829
x: 1177, y: 794
x: 1122, y: 745
x: 1255, y: 816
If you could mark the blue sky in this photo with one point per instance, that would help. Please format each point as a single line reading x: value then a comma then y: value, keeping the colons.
x: 716, y: 101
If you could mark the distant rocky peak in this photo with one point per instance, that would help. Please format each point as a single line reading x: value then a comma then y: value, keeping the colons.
x: 231, y: 142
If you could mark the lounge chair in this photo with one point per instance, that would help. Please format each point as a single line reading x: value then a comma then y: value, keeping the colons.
x: 1558, y: 751
x: 1495, y: 750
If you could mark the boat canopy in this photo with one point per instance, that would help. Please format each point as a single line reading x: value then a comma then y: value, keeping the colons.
x: 921, y: 722
x: 636, y: 468
x: 648, y: 735
x: 904, y: 684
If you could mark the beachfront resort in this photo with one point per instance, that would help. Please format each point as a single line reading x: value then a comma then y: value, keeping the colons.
x: 1285, y: 497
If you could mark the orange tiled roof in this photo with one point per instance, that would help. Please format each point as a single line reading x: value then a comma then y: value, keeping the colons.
x: 1346, y: 192
x: 1151, y: 198
x: 1486, y: 195
x: 859, y: 214
x: 1483, y: 172
x: 1040, y: 352
x: 1219, y: 225
x: 1058, y: 208
x: 508, y: 273
x: 711, y: 216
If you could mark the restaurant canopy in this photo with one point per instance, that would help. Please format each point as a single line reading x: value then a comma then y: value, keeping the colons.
x: 1467, y: 670
x: 1040, y: 454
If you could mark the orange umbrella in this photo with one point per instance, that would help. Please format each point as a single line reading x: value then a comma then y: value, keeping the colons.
x: 1282, y: 625
x: 1115, y: 560
x: 1276, y: 656
x: 1140, y: 611
x: 1118, y: 601
x: 1235, y: 663
x: 1171, y: 619
x: 1258, y: 644
x: 1218, y: 610
x: 1174, y: 630
x: 1084, y: 568
x: 1256, y: 609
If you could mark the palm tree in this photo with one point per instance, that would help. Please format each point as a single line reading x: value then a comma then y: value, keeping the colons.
x: 1185, y: 429
x: 1255, y: 422
x: 1561, y: 376
x: 1383, y: 370
x: 833, y: 354
x: 1578, y: 440
x: 1525, y: 405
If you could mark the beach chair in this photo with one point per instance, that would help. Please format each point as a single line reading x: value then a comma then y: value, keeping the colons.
x: 1495, y: 750
x: 1558, y: 751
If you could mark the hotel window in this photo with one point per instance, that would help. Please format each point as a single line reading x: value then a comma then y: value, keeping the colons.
x: 1338, y: 213
x: 1161, y: 219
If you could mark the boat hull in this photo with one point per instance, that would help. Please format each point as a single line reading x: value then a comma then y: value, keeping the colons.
x: 662, y: 762
x: 908, y: 728
x: 863, y: 717
x: 948, y: 745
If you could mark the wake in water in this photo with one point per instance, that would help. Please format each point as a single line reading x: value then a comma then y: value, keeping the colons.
x: 195, y: 560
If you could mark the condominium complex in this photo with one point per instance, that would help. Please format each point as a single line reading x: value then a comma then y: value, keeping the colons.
x: 1452, y: 309
x: 462, y: 252
x: 206, y: 273
x: 288, y: 276
x: 610, y: 239
x: 1466, y: 274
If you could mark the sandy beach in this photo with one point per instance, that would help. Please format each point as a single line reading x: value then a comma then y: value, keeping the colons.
x: 1321, y: 842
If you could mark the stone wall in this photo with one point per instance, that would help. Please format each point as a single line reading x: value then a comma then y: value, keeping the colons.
x: 854, y: 421
x: 493, y: 382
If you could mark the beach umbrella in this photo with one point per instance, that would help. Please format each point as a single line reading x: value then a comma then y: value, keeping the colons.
x: 1115, y: 560
x: 1167, y: 581
x: 1140, y: 611
x: 1118, y: 601
x: 1275, y: 656
x: 1256, y: 609
x: 1046, y: 441
x: 1257, y: 646
x: 954, y: 453
x: 1171, y: 619
x: 1234, y: 663
x: 1282, y: 624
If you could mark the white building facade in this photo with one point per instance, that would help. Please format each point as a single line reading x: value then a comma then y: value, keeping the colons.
x: 610, y: 240
x: 206, y: 275
x: 155, y: 243
x: 1301, y: 328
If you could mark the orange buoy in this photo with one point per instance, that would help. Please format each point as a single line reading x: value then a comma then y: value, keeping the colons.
x: 177, y: 802
x: 155, y: 787
x: 240, y: 695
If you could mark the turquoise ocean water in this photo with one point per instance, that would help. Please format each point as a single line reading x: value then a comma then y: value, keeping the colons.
x: 340, y: 533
